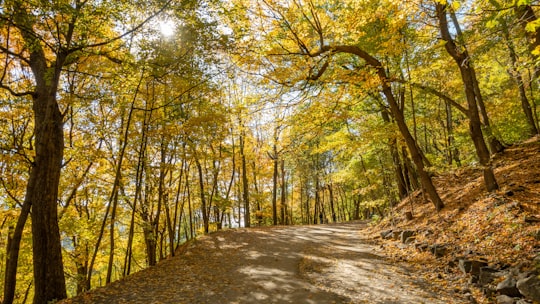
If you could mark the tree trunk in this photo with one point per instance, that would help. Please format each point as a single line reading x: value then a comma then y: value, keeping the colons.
x: 190, y: 209
x: 317, y: 213
x: 494, y: 143
x: 111, y: 235
x: 42, y: 192
x: 356, y: 202
x: 245, y: 186
x: 82, y: 266
x: 331, y: 199
x: 44, y: 179
x: 475, y: 127
x: 452, y: 151
x: 416, y: 156
x: 398, y: 170
x: 274, y: 187
x: 12, y: 253
x: 283, y: 204
x: 397, y: 113
x: 516, y: 75
x: 161, y: 192
x: 524, y: 15
x: 203, y: 198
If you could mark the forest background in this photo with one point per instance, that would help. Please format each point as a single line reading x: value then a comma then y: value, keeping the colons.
x: 129, y: 127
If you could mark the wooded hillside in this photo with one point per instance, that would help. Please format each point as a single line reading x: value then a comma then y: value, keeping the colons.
x: 129, y: 127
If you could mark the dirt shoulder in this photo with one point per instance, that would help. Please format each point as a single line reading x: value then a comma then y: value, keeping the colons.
x: 297, y: 264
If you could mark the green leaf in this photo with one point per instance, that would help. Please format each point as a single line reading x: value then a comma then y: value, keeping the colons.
x: 533, y: 25
x: 492, y: 23
x: 523, y: 2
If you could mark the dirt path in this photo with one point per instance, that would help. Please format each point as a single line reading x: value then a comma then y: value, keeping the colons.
x: 299, y: 264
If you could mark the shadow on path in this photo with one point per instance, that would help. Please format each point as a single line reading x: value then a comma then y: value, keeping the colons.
x: 295, y: 264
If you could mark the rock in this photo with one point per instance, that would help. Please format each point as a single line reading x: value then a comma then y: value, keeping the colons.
x: 508, y: 287
x: 471, y: 266
x: 530, y: 287
x: 504, y: 299
x: 487, y: 275
x: 405, y: 234
x: 396, y: 234
x: 438, y: 250
x: 386, y: 234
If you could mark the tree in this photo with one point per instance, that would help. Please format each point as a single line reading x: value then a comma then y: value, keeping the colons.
x: 44, y: 40
x: 462, y: 59
x: 312, y: 40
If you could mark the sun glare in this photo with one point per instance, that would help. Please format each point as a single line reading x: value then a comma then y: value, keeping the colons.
x: 166, y: 28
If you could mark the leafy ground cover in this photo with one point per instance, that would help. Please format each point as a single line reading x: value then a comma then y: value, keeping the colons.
x: 501, y: 227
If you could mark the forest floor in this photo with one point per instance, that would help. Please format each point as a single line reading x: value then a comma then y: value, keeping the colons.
x: 331, y: 263
x: 501, y: 228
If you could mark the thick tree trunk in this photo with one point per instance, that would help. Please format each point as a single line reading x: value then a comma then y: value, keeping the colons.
x: 494, y: 143
x: 42, y: 193
x: 44, y: 179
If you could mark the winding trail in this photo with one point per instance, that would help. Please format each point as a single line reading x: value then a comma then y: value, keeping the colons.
x: 295, y: 264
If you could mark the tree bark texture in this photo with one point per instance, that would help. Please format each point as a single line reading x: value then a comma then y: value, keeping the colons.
x: 42, y: 188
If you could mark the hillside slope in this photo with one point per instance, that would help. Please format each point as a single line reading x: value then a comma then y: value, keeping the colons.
x: 500, y: 229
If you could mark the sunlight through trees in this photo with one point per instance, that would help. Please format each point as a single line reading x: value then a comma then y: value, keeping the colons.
x: 130, y: 127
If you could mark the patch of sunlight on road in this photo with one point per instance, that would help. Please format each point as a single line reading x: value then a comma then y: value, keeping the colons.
x: 264, y: 272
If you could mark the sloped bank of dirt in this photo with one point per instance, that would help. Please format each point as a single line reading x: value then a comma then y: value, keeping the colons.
x: 499, y: 228
x: 296, y: 264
